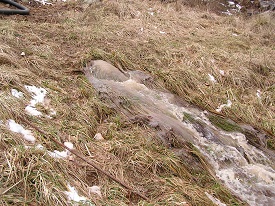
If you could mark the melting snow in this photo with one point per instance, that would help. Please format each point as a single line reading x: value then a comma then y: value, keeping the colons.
x: 33, y: 111
x: 95, y: 189
x: 16, y: 93
x: 73, y: 195
x: 229, y: 103
x: 17, y: 128
x: 63, y: 154
x: 38, y: 96
x: 212, y: 78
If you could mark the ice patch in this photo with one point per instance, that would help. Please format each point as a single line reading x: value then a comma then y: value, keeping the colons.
x: 16, y: 93
x: 229, y: 104
x: 17, y: 128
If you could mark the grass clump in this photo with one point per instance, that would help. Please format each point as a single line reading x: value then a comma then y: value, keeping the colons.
x: 224, y: 124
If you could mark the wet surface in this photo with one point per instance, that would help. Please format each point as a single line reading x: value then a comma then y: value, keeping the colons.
x: 248, y: 171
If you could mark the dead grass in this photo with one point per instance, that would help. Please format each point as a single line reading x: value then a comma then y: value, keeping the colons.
x: 67, y: 35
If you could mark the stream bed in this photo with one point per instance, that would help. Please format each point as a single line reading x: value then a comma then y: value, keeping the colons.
x: 248, y: 171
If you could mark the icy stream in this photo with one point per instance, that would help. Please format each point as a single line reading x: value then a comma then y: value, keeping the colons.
x: 247, y: 171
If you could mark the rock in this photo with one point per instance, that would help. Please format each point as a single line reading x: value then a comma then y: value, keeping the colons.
x: 98, y: 136
x: 103, y: 70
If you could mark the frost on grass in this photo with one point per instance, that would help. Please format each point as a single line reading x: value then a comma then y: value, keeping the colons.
x: 17, y: 128
x: 38, y: 96
x: 73, y: 196
x: 228, y: 104
x: 16, y: 93
x: 63, y: 154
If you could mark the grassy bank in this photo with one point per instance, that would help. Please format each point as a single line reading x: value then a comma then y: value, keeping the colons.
x: 178, y: 45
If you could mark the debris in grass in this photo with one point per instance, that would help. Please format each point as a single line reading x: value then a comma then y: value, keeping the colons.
x: 215, y: 200
x: 229, y: 103
x: 16, y: 93
x: 22, y: 54
x: 162, y: 32
x: 212, y: 78
x: 95, y: 189
x: 17, y: 128
x: 98, y: 136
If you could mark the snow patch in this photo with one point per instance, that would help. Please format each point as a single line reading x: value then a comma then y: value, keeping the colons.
x: 212, y: 78
x: 17, y: 128
x: 63, y: 154
x: 73, y: 194
x: 38, y: 96
x: 95, y: 189
x: 16, y: 93
x: 229, y: 104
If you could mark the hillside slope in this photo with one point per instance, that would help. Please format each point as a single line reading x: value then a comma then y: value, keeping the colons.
x: 204, y: 58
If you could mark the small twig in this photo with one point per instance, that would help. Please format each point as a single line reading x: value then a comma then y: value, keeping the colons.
x: 131, y: 190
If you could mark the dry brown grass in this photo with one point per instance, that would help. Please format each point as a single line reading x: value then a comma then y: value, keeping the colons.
x: 60, y: 38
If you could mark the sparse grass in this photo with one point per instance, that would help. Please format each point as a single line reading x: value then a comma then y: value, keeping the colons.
x: 60, y: 38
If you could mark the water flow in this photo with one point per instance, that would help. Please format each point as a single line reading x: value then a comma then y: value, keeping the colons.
x: 247, y: 171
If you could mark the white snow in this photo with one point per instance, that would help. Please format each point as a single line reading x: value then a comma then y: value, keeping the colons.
x: 16, y: 93
x: 44, y: 2
x: 73, y: 195
x: 38, y: 96
x: 69, y: 145
x: 63, y: 154
x: 212, y: 78
x: 228, y: 104
x: 95, y: 189
x: 32, y: 110
x: 17, y: 128
x: 215, y: 200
